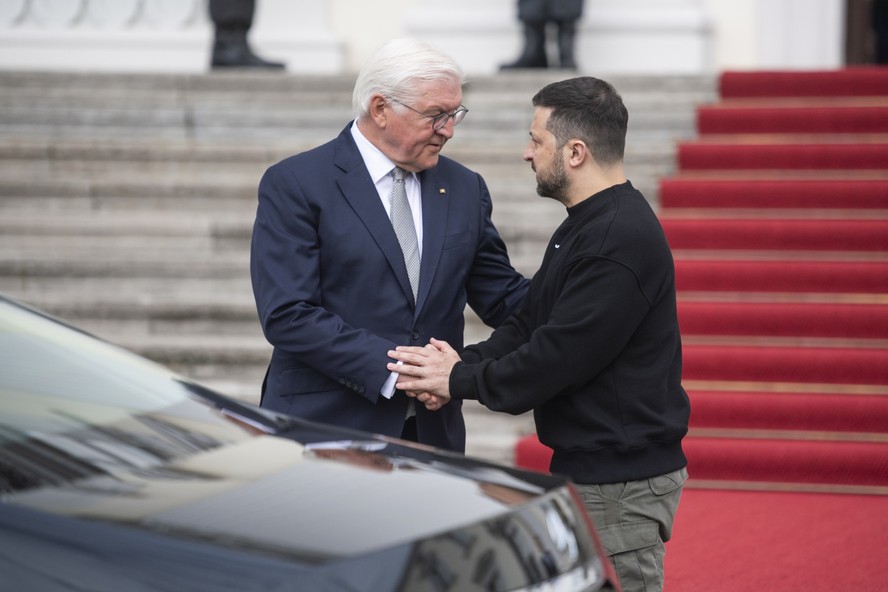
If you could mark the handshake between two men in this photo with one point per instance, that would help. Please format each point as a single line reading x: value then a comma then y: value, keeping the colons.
x: 425, y: 372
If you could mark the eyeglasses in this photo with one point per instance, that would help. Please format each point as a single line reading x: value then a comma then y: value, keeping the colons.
x: 441, y: 119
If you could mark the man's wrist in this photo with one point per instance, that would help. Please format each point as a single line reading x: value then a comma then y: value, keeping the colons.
x: 460, y: 381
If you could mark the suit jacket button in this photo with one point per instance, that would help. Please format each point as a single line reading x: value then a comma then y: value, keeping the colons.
x: 415, y: 335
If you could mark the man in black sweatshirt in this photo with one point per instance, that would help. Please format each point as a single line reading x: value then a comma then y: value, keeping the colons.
x: 595, y: 349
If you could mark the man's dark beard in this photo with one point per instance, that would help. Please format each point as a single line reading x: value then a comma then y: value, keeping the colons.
x: 553, y: 183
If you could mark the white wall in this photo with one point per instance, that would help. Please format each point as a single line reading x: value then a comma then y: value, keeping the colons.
x: 734, y: 24
x: 364, y: 25
x: 336, y: 36
x: 793, y: 34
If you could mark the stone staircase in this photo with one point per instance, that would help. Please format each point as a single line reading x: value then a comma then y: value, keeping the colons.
x: 127, y: 201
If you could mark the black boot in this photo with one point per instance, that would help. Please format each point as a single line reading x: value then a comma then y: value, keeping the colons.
x: 567, y: 32
x: 534, y: 53
x: 231, y: 50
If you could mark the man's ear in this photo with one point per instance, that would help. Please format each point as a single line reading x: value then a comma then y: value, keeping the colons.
x: 376, y: 110
x: 577, y: 152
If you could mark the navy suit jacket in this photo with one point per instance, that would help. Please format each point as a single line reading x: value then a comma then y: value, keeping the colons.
x: 333, y: 295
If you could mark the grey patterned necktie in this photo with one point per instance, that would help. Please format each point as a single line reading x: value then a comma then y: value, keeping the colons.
x: 402, y: 221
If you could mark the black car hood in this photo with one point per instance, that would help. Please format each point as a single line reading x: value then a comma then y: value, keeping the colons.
x: 116, y: 474
x: 203, y: 493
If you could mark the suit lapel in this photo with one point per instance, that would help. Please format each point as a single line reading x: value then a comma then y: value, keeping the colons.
x: 435, y: 204
x: 360, y: 192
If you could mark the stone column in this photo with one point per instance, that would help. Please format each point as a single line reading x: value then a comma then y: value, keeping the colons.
x: 645, y: 37
x: 801, y: 34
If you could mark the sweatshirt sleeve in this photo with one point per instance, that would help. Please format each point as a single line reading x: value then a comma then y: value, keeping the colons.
x: 506, y: 338
x: 593, y: 317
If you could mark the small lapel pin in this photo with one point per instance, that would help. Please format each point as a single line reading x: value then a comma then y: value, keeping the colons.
x: 442, y: 191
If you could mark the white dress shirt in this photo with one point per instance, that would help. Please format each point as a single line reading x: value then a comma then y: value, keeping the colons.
x: 380, y: 168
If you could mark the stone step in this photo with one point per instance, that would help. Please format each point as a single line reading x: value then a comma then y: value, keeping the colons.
x: 33, y: 287
x: 297, y: 125
x: 207, y: 328
x: 192, y: 312
x: 217, y: 218
x: 252, y: 83
x: 150, y: 156
x: 187, y: 186
x: 114, y: 225
x: 523, y: 229
x: 514, y: 183
x: 310, y: 109
x: 89, y: 260
x: 219, y: 344
x: 249, y: 90
x: 160, y: 150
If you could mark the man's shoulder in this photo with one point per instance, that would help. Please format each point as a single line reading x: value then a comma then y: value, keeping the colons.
x: 447, y: 165
x: 311, y: 157
x: 456, y: 175
x: 635, y: 230
x: 624, y: 223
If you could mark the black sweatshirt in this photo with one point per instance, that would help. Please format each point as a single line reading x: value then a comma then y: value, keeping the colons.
x: 595, y: 350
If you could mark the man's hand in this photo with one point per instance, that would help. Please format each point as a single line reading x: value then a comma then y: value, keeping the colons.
x: 425, y: 372
x: 431, y: 402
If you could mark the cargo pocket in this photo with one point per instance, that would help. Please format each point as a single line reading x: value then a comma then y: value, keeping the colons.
x: 628, y: 536
x: 669, y: 482
x: 667, y: 491
x: 636, y: 552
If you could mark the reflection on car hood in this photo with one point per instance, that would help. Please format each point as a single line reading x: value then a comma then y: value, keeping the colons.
x: 206, y: 473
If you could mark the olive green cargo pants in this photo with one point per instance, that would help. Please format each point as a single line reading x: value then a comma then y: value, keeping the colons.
x: 633, y: 521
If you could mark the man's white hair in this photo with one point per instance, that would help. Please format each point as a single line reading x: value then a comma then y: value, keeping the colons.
x: 394, y: 69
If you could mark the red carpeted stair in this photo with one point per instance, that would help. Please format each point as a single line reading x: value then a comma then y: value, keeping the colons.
x: 768, y: 192
x: 706, y: 231
x: 778, y: 220
x: 835, y: 319
x: 747, y: 117
x: 781, y: 273
x: 782, y: 153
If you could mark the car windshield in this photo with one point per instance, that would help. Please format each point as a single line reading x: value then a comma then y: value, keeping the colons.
x: 48, y: 371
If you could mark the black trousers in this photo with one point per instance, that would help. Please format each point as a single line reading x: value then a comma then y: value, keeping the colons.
x: 232, y: 13
x: 409, y: 431
x: 549, y: 10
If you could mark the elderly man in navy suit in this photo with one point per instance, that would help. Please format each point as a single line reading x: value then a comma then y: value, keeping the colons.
x: 330, y: 274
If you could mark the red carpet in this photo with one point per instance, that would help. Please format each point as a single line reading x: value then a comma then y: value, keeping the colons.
x: 788, y: 119
x: 825, y: 275
x: 849, y: 234
x: 778, y: 220
x: 849, y: 82
x: 783, y: 319
x: 803, y: 411
x: 729, y: 541
x: 799, y: 364
x: 783, y: 154
x: 742, y: 192
x: 749, y: 463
